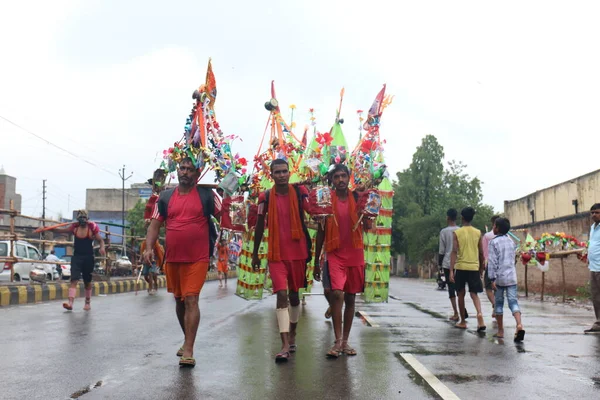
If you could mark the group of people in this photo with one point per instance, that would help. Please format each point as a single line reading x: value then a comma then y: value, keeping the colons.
x: 475, y: 261
x: 489, y: 261
x: 282, y: 209
x: 468, y: 258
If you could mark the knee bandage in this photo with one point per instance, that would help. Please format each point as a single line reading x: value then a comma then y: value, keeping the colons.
x: 88, y: 293
x: 294, y: 314
x: 283, y: 320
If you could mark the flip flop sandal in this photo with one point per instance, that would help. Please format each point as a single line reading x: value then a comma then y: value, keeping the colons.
x: 328, y: 313
x: 180, y: 352
x: 519, y: 336
x: 459, y: 326
x: 349, y: 351
x: 293, y: 348
x: 187, y: 362
x: 481, y: 328
x: 282, y: 356
x: 335, y: 351
x: 67, y: 307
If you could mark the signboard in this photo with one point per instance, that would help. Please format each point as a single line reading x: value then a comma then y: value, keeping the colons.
x: 145, y: 193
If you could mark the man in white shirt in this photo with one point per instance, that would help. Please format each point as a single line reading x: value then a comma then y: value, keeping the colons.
x: 487, y: 238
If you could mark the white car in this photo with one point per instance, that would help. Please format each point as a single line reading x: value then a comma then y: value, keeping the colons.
x: 65, y: 269
x: 27, y: 256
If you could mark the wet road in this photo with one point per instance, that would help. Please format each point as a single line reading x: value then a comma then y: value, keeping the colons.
x: 125, y: 349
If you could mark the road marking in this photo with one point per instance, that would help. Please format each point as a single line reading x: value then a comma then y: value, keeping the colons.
x: 367, y: 319
x: 433, y: 382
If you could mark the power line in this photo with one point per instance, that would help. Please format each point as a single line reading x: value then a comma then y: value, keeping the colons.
x: 57, y: 146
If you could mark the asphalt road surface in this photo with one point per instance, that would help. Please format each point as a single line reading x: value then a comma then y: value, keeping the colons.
x: 125, y: 349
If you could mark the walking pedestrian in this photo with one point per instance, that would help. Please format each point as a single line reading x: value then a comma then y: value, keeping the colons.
x: 190, y: 236
x: 342, y: 238
x: 503, y: 276
x: 288, y: 249
x: 150, y: 271
x: 594, y: 266
x: 444, y: 255
x: 82, y: 262
x: 487, y: 283
x: 467, y: 265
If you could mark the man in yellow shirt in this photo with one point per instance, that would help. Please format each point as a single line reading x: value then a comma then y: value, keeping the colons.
x: 467, y: 263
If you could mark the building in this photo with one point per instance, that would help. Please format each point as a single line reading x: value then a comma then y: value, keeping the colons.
x: 106, y: 205
x: 560, y: 208
x: 8, y: 192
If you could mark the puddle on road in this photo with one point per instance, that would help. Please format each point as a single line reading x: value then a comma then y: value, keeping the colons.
x: 457, y: 378
x: 85, y: 390
x: 426, y: 311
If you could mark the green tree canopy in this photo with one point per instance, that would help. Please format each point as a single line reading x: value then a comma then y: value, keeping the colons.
x: 422, y: 195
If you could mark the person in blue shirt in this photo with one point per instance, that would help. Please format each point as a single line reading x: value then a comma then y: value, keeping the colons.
x: 594, y: 266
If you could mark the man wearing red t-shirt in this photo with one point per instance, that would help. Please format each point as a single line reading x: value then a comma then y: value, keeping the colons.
x: 283, y: 207
x: 186, y: 213
x: 342, y: 237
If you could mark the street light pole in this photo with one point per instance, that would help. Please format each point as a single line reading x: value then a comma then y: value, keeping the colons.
x: 123, y: 179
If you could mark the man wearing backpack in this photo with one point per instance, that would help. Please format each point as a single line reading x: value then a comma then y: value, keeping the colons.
x: 190, y: 236
x: 288, y: 249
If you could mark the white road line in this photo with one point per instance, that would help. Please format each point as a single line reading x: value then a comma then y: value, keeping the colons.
x: 433, y: 382
x: 368, y: 319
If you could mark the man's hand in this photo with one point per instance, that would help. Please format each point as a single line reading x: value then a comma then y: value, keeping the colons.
x: 148, y: 257
x: 452, y: 276
x: 317, y: 273
x: 102, y: 251
x: 255, y: 262
x: 494, y: 286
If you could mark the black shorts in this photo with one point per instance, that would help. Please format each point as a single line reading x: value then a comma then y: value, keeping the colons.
x: 451, y: 286
x: 82, y: 266
x: 486, y: 281
x: 471, y: 278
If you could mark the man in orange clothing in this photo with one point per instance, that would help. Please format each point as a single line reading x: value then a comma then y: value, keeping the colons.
x: 190, y: 236
x: 150, y: 271
x: 342, y: 238
x: 288, y: 249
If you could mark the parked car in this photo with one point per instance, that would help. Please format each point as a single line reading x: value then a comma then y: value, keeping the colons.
x: 65, y: 268
x: 28, y: 256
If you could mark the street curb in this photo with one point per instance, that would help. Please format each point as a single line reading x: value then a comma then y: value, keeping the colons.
x: 37, y: 293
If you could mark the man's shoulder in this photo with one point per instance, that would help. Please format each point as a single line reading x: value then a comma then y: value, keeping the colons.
x: 489, y: 235
x: 448, y: 229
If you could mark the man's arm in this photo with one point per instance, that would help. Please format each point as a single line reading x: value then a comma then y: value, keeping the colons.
x: 67, y: 229
x: 320, y: 239
x: 481, y: 257
x: 151, y: 238
x: 100, y: 240
x: 453, y: 255
x: 258, y: 235
x: 441, y: 251
x: 493, y: 264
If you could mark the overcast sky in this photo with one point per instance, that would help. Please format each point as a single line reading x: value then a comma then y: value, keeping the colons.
x: 509, y: 88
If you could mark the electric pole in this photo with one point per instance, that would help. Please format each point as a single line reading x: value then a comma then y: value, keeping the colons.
x: 123, y: 179
x: 43, y: 215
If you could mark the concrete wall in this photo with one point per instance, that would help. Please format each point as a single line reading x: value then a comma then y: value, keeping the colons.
x: 555, y: 201
x: 111, y: 199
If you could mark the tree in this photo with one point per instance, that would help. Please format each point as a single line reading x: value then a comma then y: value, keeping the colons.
x: 422, y: 195
x: 426, y: 174
x: 135, y: 218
